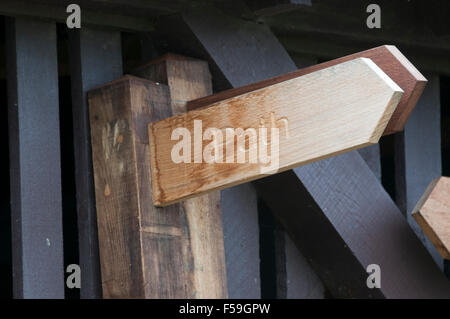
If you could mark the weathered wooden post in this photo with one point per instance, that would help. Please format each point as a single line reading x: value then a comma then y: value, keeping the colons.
x: 149, y: 252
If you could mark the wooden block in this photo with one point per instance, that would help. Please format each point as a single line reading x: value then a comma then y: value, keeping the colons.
x: 432, y: 213
x: 188, y: 79
x: 387, y: 57
x: 145, y: 252
x: 318, y: 115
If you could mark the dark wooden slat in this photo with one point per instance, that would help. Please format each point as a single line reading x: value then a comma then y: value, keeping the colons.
x: 95, y: 58
x: 314, y: 235
x: 418, y: 156
x: 272, y: 7
x: 285, y: 272
x: 90, y: 16
x: 301, y: 279
x: 331, y: 22
x: 447, y: 268
x: 241, y: 241
x: 33, y: 112
x: 371, y: 155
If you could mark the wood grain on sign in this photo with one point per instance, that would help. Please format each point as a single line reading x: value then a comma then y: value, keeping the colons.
x: 146, y: 252
x: 318, y: 115
x: 188, y: 79
x: 387, y: 57
x: 432, y: 213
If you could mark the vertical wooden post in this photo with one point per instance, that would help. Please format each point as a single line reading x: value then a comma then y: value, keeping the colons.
x: 95, y: 58
x: 189, y: 79
x: 33, y: 114
x: 418, y: 156
x: 171, y: 252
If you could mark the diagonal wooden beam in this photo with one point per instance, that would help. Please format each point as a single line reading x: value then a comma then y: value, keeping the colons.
x: 352, y: 191
x: 324, y: 113
x: 357, y: 223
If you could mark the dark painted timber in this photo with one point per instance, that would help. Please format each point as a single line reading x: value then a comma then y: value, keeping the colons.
x: 95, y: 58
x: 34, y: 141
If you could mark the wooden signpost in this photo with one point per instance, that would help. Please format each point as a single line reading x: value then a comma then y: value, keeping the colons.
x: 272, y: 129
x: 147, y: 151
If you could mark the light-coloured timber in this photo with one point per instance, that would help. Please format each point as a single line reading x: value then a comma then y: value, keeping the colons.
x: 318, y: 115
x: 188, y: 79
x: 432, y: 213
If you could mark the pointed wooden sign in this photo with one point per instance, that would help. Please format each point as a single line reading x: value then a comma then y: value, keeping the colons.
x: 270, y: 129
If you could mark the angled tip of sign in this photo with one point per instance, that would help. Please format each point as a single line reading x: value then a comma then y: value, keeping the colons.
x: 394, y: 101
